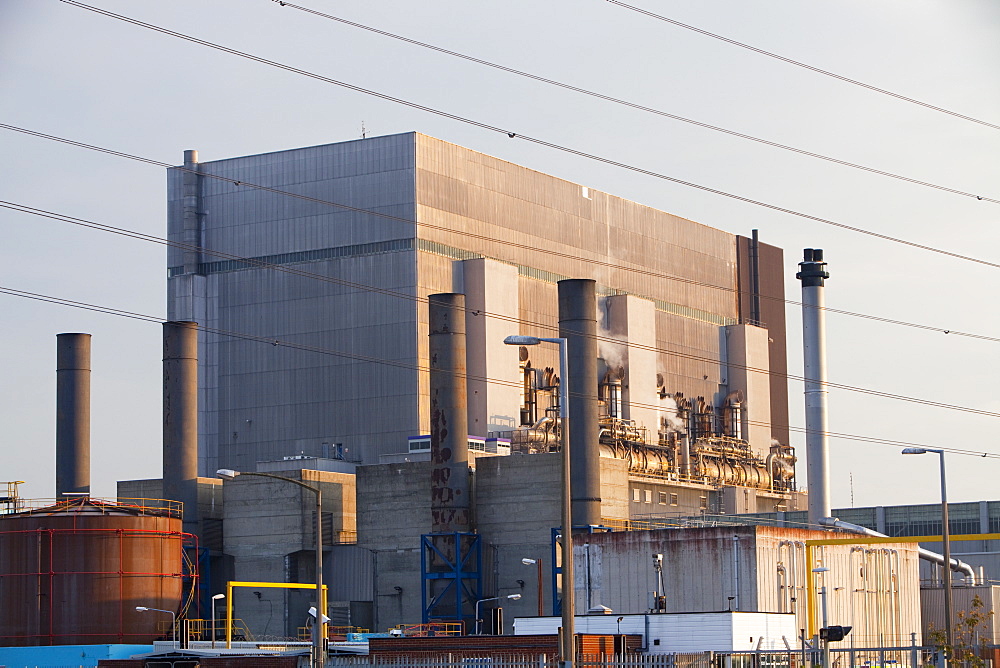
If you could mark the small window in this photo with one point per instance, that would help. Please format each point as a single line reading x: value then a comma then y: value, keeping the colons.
x: 704, y: 502
x: 662, y: 498
x: 674, y: 501
x: 636, y: 495
x: 649, y: 496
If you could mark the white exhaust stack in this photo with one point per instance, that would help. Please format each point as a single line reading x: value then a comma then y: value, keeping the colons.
x: 812, y: 273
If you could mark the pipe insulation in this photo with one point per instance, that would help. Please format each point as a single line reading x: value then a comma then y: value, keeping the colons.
x: 450, y: 499
x: 578, y: 325
x: 926, y: 555
x: 72, y: 414
x: 180, y: 417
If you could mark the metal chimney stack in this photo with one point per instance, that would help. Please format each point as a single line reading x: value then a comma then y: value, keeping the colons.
x: 812, y: 273
x: 578, y: 325
x: 450, y: 502
x: 180, y: 417
x: 72, y: 414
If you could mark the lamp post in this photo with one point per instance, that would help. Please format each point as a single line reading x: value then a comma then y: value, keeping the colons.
x: 826, y: 621
x: 319, y: 628
x: 538, y: 562
x: 173, y: 620
x: 946, y: 540
x: 512, y: 597
x: 568, y: 649
x: 214, y: 599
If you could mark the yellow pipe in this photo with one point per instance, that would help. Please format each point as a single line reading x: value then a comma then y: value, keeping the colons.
x: 868, y: 540
x: 810, y: 591
x: 258, y: 585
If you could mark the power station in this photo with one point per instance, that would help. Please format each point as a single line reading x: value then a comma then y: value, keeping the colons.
x: 338, y: 316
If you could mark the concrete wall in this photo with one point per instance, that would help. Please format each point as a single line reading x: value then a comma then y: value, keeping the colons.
x: 748, y: 371
x: 269, y: 531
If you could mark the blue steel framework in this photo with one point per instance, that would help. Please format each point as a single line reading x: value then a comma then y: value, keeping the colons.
x: 463, y: 574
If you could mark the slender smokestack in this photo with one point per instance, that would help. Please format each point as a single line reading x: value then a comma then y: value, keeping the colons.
x: 192, y: 224
x: 450, y: 503
x: 812, y: 273
x: 72, y: 414
x: 180, y: 417
x: 578, y: 325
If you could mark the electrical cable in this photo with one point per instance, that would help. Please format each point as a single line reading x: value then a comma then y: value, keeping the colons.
x: 633, y: 105
x: 804, y: 65
x: 534, y: 140
x: 416, y: 367
x: 337, y: 281
x: 549, y: 252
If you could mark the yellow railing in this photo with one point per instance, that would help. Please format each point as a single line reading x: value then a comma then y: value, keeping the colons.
x: 94, y: 504
x: 429, y: 629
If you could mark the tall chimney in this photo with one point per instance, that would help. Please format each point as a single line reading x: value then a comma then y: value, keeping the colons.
x: 578, y: 325
x: 812, y: 273
x: 180, y: 417
x: 450, y: 502
x: 191, y: 235
x: 72, y: 414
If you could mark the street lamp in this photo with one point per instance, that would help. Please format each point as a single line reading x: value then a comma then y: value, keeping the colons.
x: 319, y: 628
x: 826, y: 621
x: 946, y: 540
x: 568, y: 649
x: 173, y: 620
x: 538, y: 562
x: 215, y: 598
x: 512, y: 597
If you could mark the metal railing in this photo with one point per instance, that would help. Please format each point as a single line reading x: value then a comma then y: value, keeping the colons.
x: 92, y: 504
x: 911, y: 656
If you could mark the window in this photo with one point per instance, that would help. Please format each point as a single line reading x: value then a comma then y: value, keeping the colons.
x: 649, y: 496
x: 663, y: 498
x: 674, y: 501
x: 704, y: 502
x: 636, y: 495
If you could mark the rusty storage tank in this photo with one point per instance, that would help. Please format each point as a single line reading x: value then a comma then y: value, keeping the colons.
x: 72, y: 572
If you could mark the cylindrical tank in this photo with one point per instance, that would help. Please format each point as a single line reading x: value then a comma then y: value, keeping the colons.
x: 73, y: 573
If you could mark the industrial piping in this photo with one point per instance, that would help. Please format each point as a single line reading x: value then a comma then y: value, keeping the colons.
x: 180, y: 418
x: 72, y: 414
x: 812, y: 273
x: 578, y: 325
x: 450, y: 502
x: 926, y: 555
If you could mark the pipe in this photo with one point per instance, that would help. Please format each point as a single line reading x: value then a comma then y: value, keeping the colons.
x: 578, y: 325
x: 450, y: 501
x: 926, y: 555
x: 72, y: 414
x: 180, y: 417
x: 812, y: 273
x: 191, y: 234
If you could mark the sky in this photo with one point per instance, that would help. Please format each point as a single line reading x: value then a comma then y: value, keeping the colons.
x: 69, y: 72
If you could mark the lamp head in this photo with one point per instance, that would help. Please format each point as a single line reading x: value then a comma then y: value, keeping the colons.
x: 914, y: 451
x: 513, y: 597
x: 528, y: 562
x: 518, y: 340
x: 218, y: 597
x: 139, y: 608
x: 227, y: 474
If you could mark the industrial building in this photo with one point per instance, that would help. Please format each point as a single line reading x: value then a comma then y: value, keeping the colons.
x: 321, y: 261
x: 338, y: 316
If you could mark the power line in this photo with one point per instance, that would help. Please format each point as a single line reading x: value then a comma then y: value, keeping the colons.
x: 534, y: 140
x: 804, y: 65
x: 274, y: 342
x: 482, y: 237
x: 633, y: 105
x: 401, y: 295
